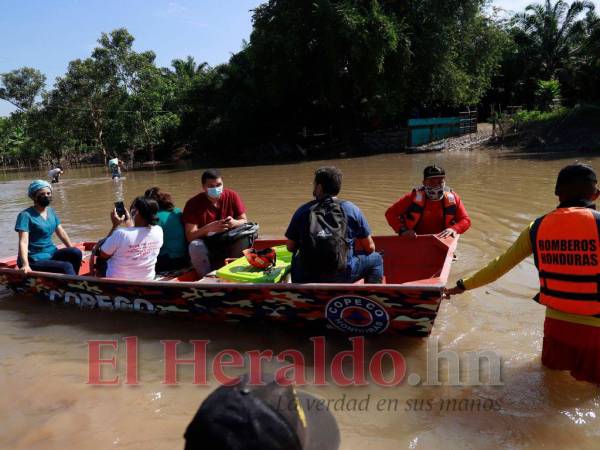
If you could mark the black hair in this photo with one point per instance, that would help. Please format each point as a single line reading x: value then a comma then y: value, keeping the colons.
x: 210, y: 174
x: 576, y: 182
x: 330, y: 179
x: 164, y: 199
x: 577, y: 190
x: 147, y: 208
x: 434, y: 171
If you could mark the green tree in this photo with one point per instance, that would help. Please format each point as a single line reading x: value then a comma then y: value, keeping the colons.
x: 554, y: 32
x: 186, y: 70
x: 54, y: 129
x: 144, y: 89
x: 550, y: 40
x: 455, y: 49
x: 315, y: 63
x: 339, y: 65
x: 87, y: 92
x: 547, y: 92
x: 16, y: 146
x: 587, y: 74
x: 22, y: 86
x: 12, y: 139
x: 145, y: 122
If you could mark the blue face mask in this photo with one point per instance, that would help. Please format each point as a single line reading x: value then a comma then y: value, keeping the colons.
x: 214, y: 192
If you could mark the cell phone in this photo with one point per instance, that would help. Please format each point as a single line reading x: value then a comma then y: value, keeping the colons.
x: 120, y: 207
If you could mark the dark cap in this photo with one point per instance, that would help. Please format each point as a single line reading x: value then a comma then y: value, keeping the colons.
x: 433, y: 171
x: 575, y: 174
x: 269, y: 417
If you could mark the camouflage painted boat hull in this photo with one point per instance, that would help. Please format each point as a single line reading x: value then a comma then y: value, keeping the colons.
x: 407, y: 308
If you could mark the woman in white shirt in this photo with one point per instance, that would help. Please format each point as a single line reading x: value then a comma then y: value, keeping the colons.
x: 132, y: 250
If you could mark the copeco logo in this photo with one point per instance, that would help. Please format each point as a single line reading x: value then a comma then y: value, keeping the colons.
x: 358, y: 315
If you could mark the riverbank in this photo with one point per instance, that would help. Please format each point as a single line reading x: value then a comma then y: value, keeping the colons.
x: 577, y: 129
x: 467, y: 141
x: 305, y: 148
x: 568, y: 130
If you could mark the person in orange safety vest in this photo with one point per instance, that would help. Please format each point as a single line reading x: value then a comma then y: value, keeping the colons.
x: 431, y: 208
x: 565, y: 244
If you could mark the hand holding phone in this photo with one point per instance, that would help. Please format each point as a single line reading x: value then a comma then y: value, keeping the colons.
x: 120, y: 208
x: 228, y: 221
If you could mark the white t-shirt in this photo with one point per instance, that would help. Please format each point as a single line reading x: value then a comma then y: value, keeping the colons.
x: 133, y: 252
x: 53, y: 172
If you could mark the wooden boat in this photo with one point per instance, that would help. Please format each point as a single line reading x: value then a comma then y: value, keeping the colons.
x: 407, y: 303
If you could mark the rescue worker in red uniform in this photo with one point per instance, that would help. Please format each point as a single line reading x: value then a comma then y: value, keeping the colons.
x: 431, y: 208
x: 566, y: 248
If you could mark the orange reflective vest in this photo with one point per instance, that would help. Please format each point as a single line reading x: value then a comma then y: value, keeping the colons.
x: 566, y: 250
x: 413, y: 214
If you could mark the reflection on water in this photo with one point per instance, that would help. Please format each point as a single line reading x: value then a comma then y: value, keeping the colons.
x: 46, y: 403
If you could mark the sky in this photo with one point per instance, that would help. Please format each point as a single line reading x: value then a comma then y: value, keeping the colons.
x: 47, y: 34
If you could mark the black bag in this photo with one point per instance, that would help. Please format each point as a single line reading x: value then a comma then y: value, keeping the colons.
x: 220, y: 244
x: 325, y: 249
x: 247, y: 231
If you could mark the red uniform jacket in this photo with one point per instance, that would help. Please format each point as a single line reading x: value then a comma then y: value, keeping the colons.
x: 432, y: 219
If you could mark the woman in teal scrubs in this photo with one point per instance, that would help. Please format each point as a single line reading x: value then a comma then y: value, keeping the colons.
x: 174, y: 251
x: 35, y: 226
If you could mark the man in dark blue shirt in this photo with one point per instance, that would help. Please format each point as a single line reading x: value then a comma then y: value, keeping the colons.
x: 367, y: 264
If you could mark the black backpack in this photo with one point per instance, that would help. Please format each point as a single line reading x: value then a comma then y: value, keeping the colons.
x: 325, y: 249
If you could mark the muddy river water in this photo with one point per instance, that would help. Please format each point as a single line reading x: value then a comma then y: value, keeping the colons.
x: 45, y: 402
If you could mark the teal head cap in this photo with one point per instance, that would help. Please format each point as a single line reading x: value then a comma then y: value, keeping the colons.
x: 36, y: 186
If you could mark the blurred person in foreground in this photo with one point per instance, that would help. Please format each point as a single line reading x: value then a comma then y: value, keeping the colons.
x: 271, y: 416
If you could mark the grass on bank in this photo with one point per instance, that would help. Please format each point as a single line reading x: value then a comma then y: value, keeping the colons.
x: 528, y: 116
x: 562, y: 129
x: 586, y: 112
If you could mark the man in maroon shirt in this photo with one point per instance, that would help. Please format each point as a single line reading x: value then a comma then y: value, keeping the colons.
x: 212, y: 211
x: 431, y: 208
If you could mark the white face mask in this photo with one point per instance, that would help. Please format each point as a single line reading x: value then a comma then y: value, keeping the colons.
x: 435, y: 193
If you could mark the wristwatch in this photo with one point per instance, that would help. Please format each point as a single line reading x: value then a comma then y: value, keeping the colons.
x: 461, y: 284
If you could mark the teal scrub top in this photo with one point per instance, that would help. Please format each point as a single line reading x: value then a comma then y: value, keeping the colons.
x: 174, y: 243
x: 40, y: 232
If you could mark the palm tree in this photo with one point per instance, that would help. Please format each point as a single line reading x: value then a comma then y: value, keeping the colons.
x: 187, y: 68
x: 587, y: 74
x: 554, y: 32
x: 592, y: 22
